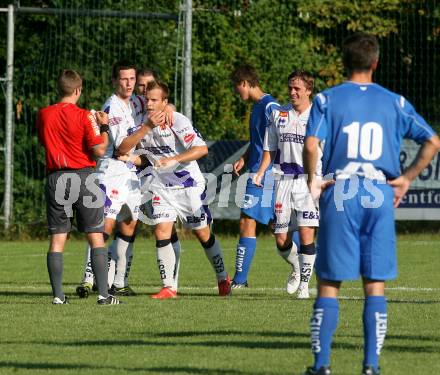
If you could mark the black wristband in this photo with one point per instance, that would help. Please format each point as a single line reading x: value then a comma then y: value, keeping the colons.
x: 104, y: 128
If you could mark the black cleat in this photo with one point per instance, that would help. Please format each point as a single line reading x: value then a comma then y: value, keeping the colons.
x: 84, y: 290
x: 110, y: 300
x: 324, y: 370
x: 369, y: 370
x: 124, y: 291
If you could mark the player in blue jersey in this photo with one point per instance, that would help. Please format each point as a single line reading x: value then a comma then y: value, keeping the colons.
x: 362, y: 125
x: 258, y: 202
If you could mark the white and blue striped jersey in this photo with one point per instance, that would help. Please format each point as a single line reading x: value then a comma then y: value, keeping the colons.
x: 168, y: 142
x: 124, y: 120
x: 285, y: 135
x: 363, y: 126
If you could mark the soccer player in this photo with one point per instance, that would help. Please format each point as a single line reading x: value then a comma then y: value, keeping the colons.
x: 178, y: 188
x: 363, y: 125
x: 71, y: 137
x: 258, y: 202
x: 143, y: 76
x: 294, y: 206
x: 119, y: 181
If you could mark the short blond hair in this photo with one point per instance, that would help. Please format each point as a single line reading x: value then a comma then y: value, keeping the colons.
x: 159, y: 85
x: 68, y: 81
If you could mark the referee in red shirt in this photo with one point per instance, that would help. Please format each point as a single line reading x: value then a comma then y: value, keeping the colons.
x: 72, y: 137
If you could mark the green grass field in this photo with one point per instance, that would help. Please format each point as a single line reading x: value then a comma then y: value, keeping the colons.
x: 261, y: 330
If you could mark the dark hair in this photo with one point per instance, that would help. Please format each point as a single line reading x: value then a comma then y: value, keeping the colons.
x: 245, y: 73
x: 158, y: 85
x: 68, y: 81
x: 359, y: 52
x: 146, y: 72
x: 121, y: 65
x: 304, y: 76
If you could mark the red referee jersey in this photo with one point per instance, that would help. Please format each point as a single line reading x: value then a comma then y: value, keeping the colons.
x: 68, y: 134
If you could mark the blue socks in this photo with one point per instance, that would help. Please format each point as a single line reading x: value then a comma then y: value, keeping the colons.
x: 245, y: 253
x: 322, y: 326
x: 375, y: 328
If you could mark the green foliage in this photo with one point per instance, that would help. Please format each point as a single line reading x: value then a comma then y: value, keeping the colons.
x: 274, y: 36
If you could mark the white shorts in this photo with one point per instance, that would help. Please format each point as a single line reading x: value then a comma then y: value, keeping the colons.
x: 294, y: 206
x: 123, y: 195
x: 186, y: 204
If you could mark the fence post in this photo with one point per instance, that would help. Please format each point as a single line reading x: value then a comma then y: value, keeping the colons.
x: 9, y: 160
x: 187, y: 67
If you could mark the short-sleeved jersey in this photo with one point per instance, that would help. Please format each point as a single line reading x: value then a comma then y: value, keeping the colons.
x: 363, y: 126
x: 68, y: 134
x: 261, y: 112
x: 124, y: 120
x: 285, y: 135
x: 171, y: 141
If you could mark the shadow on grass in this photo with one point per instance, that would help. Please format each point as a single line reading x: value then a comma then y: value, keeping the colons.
x: 153, y: 370
x: 11, y: 293
x: 243, y: 344
x: 231, y: 333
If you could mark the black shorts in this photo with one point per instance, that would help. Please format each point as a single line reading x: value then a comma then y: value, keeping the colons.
x: 74, y: 193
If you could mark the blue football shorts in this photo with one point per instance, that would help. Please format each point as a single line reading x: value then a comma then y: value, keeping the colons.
x: 357, y: 235
x: 258, y: 203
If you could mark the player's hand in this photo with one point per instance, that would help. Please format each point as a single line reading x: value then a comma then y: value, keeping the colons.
x: 157, y: 118
x: 317, y: 186
x: 400, y: 186
x: 101, y: 117
x: 169, y: 114
x: 238, y: 165
x: 257, y: 178
x: 166, y: 163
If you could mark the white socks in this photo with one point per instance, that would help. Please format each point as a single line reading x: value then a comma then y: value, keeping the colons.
x: 166, y: 261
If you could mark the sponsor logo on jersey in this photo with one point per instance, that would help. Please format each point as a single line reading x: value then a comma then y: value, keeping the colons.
x: 159, y: 150
x: 195, y: 219
x: 292, y: 138
x: 156, y: 200
x: 114, y: 121
x: 310, y: 215
x: 114, y: 193
x: 278, y: 207
x: 184, y: 130
x: 93, y: 123
x: 280, y: 225
x: 130, y: 131
x: 158, y: 216
x: 189, y: 137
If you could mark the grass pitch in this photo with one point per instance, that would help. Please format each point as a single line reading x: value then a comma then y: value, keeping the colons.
x: 260, y: 330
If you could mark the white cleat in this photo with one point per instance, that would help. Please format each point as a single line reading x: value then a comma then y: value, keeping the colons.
x: 59, y: 301
x: 293, y: 282
x: 303, y: 292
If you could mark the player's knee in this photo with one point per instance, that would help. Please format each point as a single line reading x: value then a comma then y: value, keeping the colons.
x: 208, y: 244
x: 163, y: 243
x: 283, y: 246
x: 309, y: 249
x: 125, y: 237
